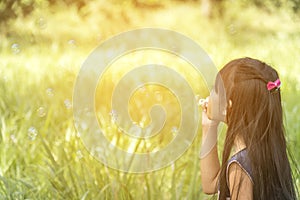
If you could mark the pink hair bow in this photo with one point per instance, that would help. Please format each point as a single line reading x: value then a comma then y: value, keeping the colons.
x: 271, y: 85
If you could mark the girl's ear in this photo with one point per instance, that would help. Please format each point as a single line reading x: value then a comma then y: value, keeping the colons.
x: 229, y: 103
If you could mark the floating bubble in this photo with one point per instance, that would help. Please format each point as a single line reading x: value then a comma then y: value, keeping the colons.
x: 79, y: 154
x: 68, y: 104
x: 15, y: 48
x: 72, y: 43
x: 297, y: 87
x: 295, y: 109
x: 173, y: 167
x: 50, y: 92
x: 232, y: 29
x: 99, y: 37
x: 114, y: 115
x: 13, y: 138
x: 143, y: 89
x: 41, y: 23
x: 32, y: 133
x: 197, y: 97
x: 174, y: 130
x: 5, y: 79
x: 142, y: 124
x: 84, y: 126
x: 41, y: 111
x: 135, y: 130
x: 158, y: 96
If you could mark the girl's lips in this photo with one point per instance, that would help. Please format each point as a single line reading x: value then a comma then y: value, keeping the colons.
x: 203, y: 102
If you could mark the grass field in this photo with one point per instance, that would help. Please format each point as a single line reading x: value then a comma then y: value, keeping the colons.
x: 41, y: 155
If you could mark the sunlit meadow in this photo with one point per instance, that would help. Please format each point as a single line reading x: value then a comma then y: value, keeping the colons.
x: 41, y: 154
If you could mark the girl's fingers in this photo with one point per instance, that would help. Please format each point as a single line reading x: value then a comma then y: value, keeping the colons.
x: 203, y: 103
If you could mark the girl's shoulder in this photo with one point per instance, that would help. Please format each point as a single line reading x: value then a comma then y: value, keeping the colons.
x: 241, y: 158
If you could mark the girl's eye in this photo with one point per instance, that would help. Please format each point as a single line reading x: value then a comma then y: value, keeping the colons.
x: 212, y: 92
x: 213, y: 87
x: 216, y: 88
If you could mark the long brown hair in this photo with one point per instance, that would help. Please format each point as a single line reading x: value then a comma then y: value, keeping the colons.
x: 255, y: 116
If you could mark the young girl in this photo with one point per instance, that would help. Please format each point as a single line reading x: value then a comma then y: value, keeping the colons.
x: 247, y: 98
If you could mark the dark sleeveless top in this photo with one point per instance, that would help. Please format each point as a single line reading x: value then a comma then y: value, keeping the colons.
x: 243, y: 161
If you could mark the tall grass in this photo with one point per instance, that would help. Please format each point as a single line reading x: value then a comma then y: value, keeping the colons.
x: 41, y: 154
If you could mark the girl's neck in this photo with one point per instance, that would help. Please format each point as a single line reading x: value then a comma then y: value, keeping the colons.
x: 239, y: 145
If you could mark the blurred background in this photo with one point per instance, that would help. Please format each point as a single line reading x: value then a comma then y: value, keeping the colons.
x: 43, y: 44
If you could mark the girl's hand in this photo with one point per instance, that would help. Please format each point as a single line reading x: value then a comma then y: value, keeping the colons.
x: 209, y: 130
x: 206, y: 121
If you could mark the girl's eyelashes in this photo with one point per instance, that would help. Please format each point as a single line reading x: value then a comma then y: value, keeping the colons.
x: 215, y: 88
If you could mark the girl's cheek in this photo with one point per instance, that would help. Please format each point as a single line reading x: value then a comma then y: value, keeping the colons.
x: 209, y: 109
x: 213, y: 109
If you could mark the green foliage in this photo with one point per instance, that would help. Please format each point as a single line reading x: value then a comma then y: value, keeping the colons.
x: 10, y: 9
x: 41, y: 155
x: 269, y: 5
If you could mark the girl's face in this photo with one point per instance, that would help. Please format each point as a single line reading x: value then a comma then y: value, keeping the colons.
x: 216, y: 107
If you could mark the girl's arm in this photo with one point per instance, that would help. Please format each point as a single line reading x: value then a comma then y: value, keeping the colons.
x: 240, y: 184
x: 209, y: 163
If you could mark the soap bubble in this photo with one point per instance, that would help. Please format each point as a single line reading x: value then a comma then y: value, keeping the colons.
x: 50, y: 92
x: 79, y: 154
x: 114, y: 115
x: 41, y: 111
x: 15, y: 48
x: 13, y: 138
x: 158, y: 96
x: 174, y: 130
x: 41, y: 23
x: 72, y: 43
x: 32, y: 133
x: 68, y: 104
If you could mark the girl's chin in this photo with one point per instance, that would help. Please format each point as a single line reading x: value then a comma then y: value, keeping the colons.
x: 209, y: 116
x: 221, y: 118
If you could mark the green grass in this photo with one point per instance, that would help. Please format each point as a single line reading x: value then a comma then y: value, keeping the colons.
x: 41, y: 155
